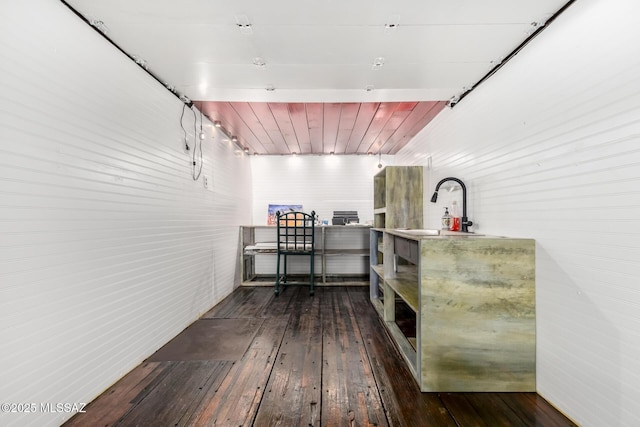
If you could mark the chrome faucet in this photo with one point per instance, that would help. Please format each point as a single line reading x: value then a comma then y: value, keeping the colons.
x: 465, y: 223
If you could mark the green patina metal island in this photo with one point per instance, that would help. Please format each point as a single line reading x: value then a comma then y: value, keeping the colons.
x: 460, y: 306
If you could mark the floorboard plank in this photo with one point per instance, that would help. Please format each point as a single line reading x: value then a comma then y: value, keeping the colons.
x: 544, y: 413
x: 318, y: 360
x: 116, y: 401
x: 235, y: 402
x: 285, y: 302
x: 210, y: 339
x: 293, y: 393
x: 404, y: 403
x: 177, y: 395
x: 243, y: 302
x: 462, y: 411
x: 494, y: 410
x: 349, y: 391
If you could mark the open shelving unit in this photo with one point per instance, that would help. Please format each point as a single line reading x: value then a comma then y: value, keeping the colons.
x: 472, y: 299
x: 460, y: 307
x: 342, y: 255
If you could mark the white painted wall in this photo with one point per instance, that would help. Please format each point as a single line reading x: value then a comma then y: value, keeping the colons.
x: 108, y: 247
x: 550, y: 148
x: 321, y: 183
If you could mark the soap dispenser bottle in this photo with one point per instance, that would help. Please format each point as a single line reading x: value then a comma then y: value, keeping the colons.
x: 455, y: 217
x: 446, y: 219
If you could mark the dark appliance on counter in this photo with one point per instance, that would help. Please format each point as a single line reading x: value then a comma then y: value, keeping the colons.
x: 344, y: 217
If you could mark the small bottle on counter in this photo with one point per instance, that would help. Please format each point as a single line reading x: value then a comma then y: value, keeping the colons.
x: 446, y: 219
x: 455, y: 217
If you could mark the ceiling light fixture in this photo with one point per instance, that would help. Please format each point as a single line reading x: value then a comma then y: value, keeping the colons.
x: 377, y: 63
x: 99, y: 25
x: 242, y: 21
x: 246, y: 150
x: 141, y: 62
x: 392, y: 24
x: 259, y: 63
x: 537, y: 25
x: 495, y: 62
x: 234, y: 139
x: 201, y: 134
x: 453, y: 101
x: 217, y: 123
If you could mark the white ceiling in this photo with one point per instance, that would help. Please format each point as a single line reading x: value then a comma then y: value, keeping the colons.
x: 317, y: 91
x: 319, y: 51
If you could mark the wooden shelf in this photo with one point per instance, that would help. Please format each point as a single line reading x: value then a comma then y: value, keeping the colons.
x: 413, y: 341
x: 405, y: 285
x: 379, y: 269
x: 336, y: 252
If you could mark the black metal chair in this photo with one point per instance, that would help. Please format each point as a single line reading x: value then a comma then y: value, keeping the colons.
x: 296, y: 236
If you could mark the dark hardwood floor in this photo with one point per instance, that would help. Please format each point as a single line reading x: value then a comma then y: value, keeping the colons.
x: 295, y: 360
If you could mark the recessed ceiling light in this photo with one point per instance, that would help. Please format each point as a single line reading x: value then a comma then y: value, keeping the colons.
x: 242, y: 21
x: 392, y: 24
x: 259, y: 63
x: 377, y: 63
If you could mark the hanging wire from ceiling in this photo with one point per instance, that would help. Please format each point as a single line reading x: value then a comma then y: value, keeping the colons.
x: 99, y: 27
x: 197, y: 139
x: 184, y: 131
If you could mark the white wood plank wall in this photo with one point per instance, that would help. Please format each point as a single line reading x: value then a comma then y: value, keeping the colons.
x: 108, y: 247
x: 549, y: 148
x: 321, y: 183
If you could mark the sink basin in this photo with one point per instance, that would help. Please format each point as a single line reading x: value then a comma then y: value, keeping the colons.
x: 422, y: 232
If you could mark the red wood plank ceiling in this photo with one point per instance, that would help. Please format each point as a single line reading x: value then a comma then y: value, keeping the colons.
x: 322, y: 128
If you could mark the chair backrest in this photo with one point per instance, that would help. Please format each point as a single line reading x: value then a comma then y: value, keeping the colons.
x: 295, y: 231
